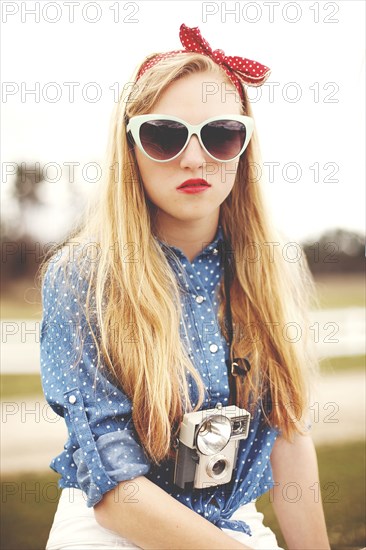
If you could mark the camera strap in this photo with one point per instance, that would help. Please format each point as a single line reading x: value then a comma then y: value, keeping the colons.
x: 238, y: 366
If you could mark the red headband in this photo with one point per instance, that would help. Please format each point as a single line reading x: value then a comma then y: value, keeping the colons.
x: 239, y: 70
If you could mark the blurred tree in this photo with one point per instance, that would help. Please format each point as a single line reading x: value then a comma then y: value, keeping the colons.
x: 23, y: 196
x: 27, y: 183
x: 337, y: 251
x: 20, y: 255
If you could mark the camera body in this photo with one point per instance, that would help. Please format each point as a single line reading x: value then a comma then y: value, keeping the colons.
x: 208, y: 446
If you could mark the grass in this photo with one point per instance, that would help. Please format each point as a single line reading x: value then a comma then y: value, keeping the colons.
x: 21, y: 300
x: 342, y: 480
x: 20, y: 385
x: 17, y: 309
x: 331, y: 365
x: 31, y: 501
x: 338, y: 291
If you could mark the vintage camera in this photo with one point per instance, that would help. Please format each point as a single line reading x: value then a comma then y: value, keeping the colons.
x: 208, y: 445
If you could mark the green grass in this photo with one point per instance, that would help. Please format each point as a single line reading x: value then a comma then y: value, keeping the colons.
x: 20, y: 385
x: 11, y: 309
x: 21, y: 300
x: 338, y: 291
x: 29, y: 502
x: 331, y: 365
x: 343, y: 468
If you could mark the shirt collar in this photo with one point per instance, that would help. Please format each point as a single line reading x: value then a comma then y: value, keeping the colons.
x: 212, y: 248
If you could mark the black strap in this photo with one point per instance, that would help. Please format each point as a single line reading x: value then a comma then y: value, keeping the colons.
x: 238, y: 366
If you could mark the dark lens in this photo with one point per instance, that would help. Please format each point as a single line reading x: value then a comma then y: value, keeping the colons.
x: 238, y: 427
x: 163, y: 139
x: 219, y: 467
x: 224, y: 139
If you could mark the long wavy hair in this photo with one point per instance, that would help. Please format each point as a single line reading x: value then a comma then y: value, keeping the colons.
x: 132, y: 286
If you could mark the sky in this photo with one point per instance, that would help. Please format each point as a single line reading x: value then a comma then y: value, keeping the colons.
x: 310, y: 115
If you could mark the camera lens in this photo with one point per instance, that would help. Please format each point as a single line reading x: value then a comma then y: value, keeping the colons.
x: 219, y: 467
x: 238, y: 427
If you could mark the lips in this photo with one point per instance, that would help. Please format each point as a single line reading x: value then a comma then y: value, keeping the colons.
x: 194, y: 183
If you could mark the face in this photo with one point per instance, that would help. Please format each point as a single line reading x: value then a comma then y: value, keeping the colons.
x: 184, y: 99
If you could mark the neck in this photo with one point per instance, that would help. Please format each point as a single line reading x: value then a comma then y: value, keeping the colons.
x: 190, y: 237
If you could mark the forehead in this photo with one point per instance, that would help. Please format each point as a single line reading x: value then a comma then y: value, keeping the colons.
x: 198, y: 96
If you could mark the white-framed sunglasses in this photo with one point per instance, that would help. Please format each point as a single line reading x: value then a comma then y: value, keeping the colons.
x: 164, y: 137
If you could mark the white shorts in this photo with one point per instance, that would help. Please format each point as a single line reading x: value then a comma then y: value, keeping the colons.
x: 75, y: 528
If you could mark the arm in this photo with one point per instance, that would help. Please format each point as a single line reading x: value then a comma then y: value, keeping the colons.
x: 157, y: 520
x: 302, y: 522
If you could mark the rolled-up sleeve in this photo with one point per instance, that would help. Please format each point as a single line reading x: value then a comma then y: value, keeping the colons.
x: 103, y: 447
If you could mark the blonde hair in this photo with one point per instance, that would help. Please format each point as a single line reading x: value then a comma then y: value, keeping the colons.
x: 141, y: 291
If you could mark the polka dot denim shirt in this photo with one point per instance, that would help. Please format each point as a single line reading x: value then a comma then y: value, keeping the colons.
x: 103, y: 448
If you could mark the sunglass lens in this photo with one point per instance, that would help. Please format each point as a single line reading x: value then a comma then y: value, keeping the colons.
x: 224, y: 139
x: 163, y: 139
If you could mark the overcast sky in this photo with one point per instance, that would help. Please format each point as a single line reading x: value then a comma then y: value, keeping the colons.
x: 312, y: 128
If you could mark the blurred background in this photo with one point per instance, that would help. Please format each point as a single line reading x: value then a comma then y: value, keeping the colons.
x: 63, y: 67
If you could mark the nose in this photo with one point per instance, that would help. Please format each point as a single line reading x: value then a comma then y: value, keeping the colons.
x: 193, y: 155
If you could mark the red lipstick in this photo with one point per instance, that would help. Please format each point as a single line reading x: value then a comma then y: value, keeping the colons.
x: 193, y: 186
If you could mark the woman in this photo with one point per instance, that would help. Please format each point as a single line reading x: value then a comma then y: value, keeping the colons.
x: 173, y: 297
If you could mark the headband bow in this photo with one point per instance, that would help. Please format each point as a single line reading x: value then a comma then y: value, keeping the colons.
x: 240, y: 70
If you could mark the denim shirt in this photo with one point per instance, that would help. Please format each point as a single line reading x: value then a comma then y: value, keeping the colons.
x: 103, y: 448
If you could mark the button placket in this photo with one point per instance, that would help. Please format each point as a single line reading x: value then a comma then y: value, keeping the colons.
x: 197, y: 294
x: 213, y: 346
x: 218, y: 350
x: 205, y: 364
x: 200, y: 296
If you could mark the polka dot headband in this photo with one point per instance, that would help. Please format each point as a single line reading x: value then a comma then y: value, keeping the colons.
x: 240, y: 70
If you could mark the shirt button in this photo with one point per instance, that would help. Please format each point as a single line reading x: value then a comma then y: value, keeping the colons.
x: 72, y: 399
x: 213, y: 348
x: 199, y: 299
